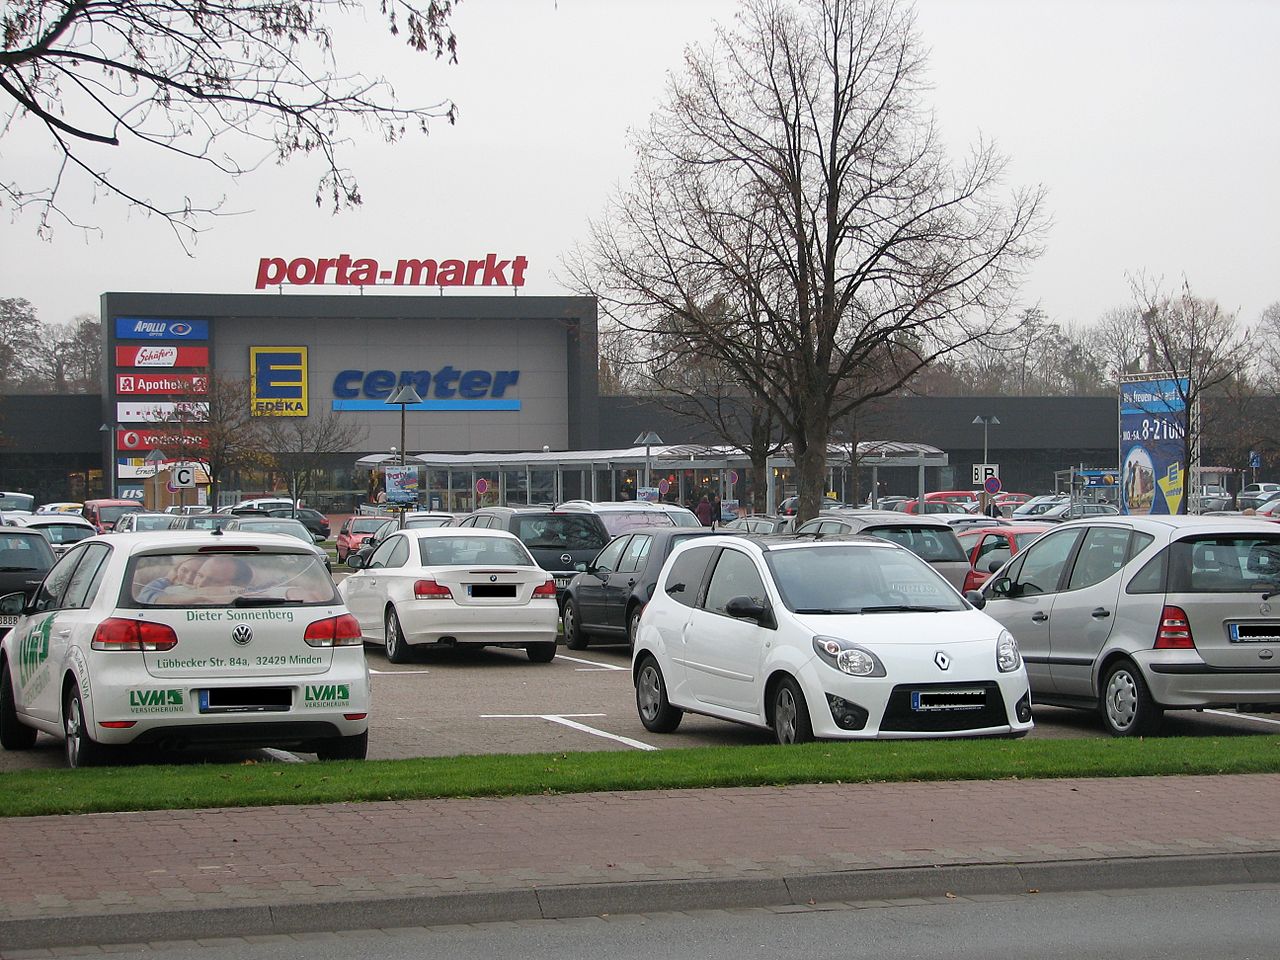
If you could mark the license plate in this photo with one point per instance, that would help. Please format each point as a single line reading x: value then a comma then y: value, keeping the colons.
x: 931, y: 701
x: 561, y: 582
x: 1251, y: 632
x: 7, y: 621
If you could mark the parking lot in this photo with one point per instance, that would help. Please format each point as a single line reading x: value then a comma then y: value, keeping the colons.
x: 450, y: 702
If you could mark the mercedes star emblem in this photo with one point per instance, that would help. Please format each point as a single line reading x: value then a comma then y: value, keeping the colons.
x: 565, y: 558
x: 242, y: 634
x: 942, y: 660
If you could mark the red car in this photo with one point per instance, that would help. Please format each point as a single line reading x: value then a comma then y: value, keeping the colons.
x: 989, y: 547
x: 354, y: 532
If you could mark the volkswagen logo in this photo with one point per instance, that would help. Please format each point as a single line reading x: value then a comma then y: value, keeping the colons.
x: 493, y: 578
x: 242, y: 634
x: 565, y: 558
x: 1264, y: 608
x: 942, y: 660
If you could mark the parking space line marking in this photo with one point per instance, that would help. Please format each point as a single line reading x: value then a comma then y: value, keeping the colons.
x: 284, y: 756
x: 392, y: 673
x: 592, y: 663
x: 1243, y: 716
x: 563, y: 720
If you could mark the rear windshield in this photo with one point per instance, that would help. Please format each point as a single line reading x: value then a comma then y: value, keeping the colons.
x: 466, y: 551
x: 291, y: 528
x: 683, y: 518
x: 367, y: 524
x: 65, y: 532
x: 112, y: 514
x: 1225, y: 564
x: 207, y: 521
x: 25, y: 552
x: 858, y: 579
x: 561, y: 531
x: 17, y: 501
x: 935, y: 544
x: 425, y: 523
x: 153, y: 523
x: 189, y: 578
x: 620, y: 521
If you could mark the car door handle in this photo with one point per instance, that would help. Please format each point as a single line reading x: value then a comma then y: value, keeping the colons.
x: 62, y: 634
x: 1039, y: 616
x: 1100, y: 613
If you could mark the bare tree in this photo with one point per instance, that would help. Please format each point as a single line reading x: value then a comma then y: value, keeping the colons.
x: 297, y: 447
x: 65, y: 358
x: 19, y: 335
x: 224, y: 83
x: 1202, y: 348
x: 792, y: 169
x: 1120, y: 342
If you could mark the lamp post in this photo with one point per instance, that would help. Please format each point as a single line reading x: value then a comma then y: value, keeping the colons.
x: 987, y: 420
x: 110, y: 430
x: 403, y: 397
x: 648, y: 439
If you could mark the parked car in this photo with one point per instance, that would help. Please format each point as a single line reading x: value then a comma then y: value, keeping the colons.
x: 412, y: 521
x: 285, y: 526
x: 25, y: 558
x: 1038, y: 505
x: 188, y: 509
x: 204, y: 521
x: 449, y: 586
x: 266, y: 503
x: 989, y: 547
x: 63, y: 506
x: 20, y: 502
x: 180, y: 640
x: 604, y: 601
x: 558, y: 540
x: 790, y: 506
x: 141, y: 522
x: 1133, y: 616
x: 619, y: 516
x: 313, y: 520
x: 103, y: 514
x: 61, y: 529
x: 845, y: 637
x: 353, y: 532
x: 1252, y: 501
x: 762, y: 523
x: 930, y: 539
x: 1066, y: 510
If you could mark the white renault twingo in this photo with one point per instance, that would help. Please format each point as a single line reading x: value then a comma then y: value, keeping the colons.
x: 185, y: 638
x: 839, y: 637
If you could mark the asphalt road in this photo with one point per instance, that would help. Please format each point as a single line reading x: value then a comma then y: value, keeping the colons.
x: 452, y: 702
x: 1189, y: 923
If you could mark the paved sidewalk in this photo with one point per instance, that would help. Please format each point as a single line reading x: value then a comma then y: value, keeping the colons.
x: 145, y: 876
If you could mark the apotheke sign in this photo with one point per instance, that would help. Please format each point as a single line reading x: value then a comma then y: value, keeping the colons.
x: 161, y: 383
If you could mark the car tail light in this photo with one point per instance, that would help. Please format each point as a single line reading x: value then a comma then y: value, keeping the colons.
x: 547, y: 589
x: 120, y: 634
x: 1175, y: 630
x: 430, y: 590
x: 354, y: 716
x: 341, y: 631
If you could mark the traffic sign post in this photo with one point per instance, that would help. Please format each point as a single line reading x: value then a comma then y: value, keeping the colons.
x: 184, y: 476
x: 991, y: 485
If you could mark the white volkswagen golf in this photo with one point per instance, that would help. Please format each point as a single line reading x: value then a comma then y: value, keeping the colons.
x: 845, y: 637
x: 447, y: 586
x: 185, y: 638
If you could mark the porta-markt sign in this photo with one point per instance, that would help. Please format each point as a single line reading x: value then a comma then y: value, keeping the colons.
x: 1153, y: 429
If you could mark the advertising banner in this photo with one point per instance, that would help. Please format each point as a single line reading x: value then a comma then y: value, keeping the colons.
x: 1153, y: 425
x: 278, y: 381
x: 149, y: 328
x: 135, y: 411
x: 167, y: 440
x: 647, y: 494
x: 162, y: 356
x: 402, y: 484
x: 172, y: 384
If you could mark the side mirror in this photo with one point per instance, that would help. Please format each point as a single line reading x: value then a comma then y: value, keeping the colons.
x: 318, y: 537
x: 581, y: 567
x: 994, y: 564
x: 13, y: 604
x: 975, y: 598
x: 1002, y: 587
x: 355, y: 561
x: 744, y: 608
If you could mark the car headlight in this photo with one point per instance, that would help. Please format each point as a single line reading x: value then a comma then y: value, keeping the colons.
x: 848, y: 657
x: 1008, y: 657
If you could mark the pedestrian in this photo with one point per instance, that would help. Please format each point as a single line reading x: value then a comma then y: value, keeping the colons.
x: 703, y: 511
x: 992, y: 509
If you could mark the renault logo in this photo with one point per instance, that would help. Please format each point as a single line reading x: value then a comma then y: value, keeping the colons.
x: 242, y: 634
x: 942, y: 660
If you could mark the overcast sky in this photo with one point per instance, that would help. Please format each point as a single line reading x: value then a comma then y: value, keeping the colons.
x: 1152, y: 124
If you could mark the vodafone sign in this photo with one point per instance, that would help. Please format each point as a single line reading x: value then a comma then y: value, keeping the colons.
x: 181, y: 384
x: 151, y: 439
x: 162, y: 356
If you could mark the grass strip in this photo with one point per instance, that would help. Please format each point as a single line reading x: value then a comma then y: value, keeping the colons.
x: 40, y: 792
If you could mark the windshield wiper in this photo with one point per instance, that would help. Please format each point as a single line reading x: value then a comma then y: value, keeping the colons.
x: 826, y: 610
x: 902, y: 608
x: 265, y: 602
x: 18, y: 569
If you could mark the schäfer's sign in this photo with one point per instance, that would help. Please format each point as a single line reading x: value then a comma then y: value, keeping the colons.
x: 348, y: 271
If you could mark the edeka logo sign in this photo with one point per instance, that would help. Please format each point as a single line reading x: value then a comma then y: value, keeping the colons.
x: 445, y: 389
x: 150, y: 328
x: 278, y: 381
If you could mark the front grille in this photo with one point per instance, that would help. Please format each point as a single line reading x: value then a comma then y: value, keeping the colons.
x: 900, y: 718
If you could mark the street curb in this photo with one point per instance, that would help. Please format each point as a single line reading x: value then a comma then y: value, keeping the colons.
x: 647, y: 896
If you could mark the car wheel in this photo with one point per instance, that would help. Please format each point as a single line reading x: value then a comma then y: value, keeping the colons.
x: 656, y: 712
x: 574, y: 638
x: 397, y: 649
x: 14, y: 735
x: 81, y: 749
x: 344, y: 748
x: 633, y: 626
x: 1127, y: 707
x: 541, y: 652
x: 791, y: 723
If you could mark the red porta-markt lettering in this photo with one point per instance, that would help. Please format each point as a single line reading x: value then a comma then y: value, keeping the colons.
x: 344, y: 270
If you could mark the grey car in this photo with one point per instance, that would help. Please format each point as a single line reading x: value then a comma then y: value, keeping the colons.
x: 1133, y: 616
x: 929, y: 538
